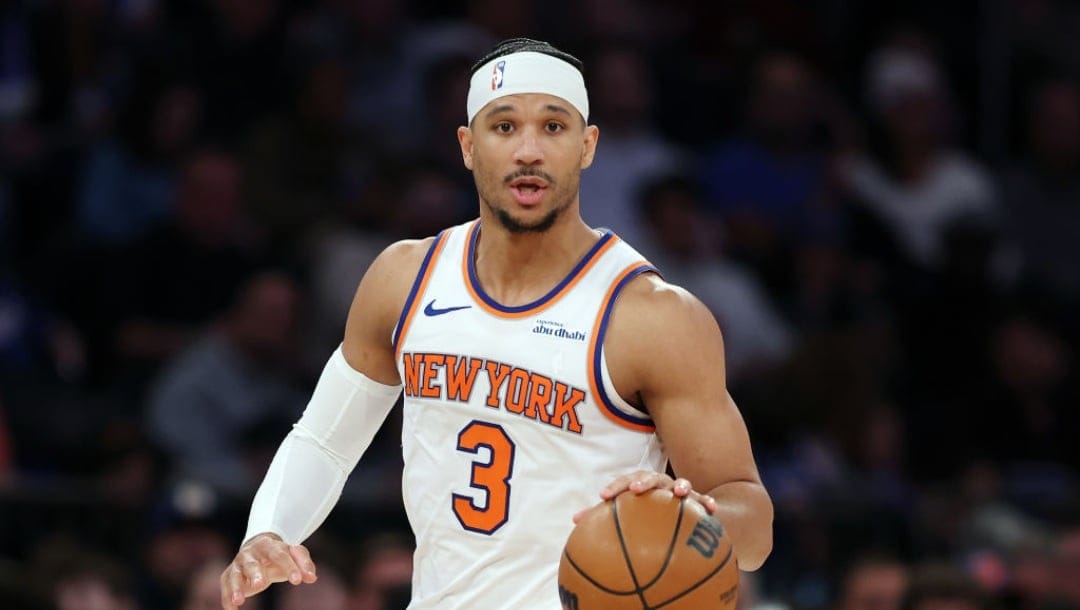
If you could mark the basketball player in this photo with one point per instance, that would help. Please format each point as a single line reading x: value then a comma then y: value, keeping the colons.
x: 542, y: 361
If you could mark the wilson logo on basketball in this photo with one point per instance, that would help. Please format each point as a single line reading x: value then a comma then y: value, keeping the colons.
x: 568, y: 599
x: 706, y: 537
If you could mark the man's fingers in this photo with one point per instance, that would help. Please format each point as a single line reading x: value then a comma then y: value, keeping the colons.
x: 637, y: 482
x: 643, y: 482
x: 234, y: 590
x: 707, y: 501
x: 616, y: 487
x: 302, y: 558
x: 226, y: 590
x: 226, y: 602
x: 252, y: 577
x: 681, y: 487
x: 282, y: 566
x: 262, y: 562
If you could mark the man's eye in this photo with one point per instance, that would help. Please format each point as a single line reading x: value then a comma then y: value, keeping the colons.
x: 504, y: 128
x: 554, y: 127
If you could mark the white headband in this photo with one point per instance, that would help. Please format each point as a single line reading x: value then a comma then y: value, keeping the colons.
x: 527, y: 72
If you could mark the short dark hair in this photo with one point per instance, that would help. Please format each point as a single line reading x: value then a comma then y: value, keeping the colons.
x: 521, y: 45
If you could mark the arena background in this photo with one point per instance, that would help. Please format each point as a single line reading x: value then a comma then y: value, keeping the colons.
x: 880, y: 202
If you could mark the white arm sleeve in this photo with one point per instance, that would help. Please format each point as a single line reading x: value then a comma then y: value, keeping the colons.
x: 308, y: 471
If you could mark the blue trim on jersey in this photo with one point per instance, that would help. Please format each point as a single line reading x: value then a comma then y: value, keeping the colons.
x: 490, y: 302
x: 415, y: 288
x: 598, y: 374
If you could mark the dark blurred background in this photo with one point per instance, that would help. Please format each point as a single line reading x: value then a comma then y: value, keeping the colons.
x: 880, y: 202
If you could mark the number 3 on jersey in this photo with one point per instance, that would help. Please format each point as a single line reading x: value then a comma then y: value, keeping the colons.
x: 493, y: 477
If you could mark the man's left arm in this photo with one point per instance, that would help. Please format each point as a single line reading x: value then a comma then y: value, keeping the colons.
x: 671, y: 356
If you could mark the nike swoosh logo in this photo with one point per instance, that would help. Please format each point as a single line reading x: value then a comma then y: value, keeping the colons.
x: 431, y: 310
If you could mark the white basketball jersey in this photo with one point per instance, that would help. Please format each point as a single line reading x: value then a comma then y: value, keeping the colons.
x: 511, y: 424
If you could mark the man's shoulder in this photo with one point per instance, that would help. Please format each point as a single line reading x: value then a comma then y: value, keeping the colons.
x: 652, y: 289
x: 405, y: 250
x: 391, y: 275
x: 400, y: 261
x: 649, y: 302
x: 655, y: 328
x: 377, y: 306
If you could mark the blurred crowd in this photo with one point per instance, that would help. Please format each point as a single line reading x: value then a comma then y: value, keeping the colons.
x: 880, y: 202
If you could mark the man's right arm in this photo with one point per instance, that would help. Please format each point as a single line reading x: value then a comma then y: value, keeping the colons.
x: 376, y: 308
x: 352, y: 398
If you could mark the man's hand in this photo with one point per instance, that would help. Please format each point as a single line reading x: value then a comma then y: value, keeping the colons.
x: 644, y: 480
x: 264, y: 560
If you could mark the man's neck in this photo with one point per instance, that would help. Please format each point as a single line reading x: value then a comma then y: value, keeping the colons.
x: 519, y: 268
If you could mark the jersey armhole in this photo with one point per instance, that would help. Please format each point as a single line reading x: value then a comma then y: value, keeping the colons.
x: 603, y: 390
x: 417, y: 290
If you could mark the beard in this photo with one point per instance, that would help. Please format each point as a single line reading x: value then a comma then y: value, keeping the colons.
x: 515, y: 225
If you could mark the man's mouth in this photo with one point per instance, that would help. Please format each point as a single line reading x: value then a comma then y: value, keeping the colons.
x: 528, y: 190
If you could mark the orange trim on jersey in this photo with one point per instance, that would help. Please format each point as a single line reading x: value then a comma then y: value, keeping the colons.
x: 421, y: 285
x: 593, y: 373
x: 544, y: 302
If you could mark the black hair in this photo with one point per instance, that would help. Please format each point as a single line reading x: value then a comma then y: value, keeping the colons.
x: 521, y: 45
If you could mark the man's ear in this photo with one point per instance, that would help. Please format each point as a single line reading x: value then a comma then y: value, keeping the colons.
x: 592, y: 137
x: 464, y: 136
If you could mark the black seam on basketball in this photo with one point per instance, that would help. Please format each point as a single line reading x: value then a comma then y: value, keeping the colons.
x: 671, y: 547
x: 625, y: 553
x: 584, y: 575
x: 698, y: 583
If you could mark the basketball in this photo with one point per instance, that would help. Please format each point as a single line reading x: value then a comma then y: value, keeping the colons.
x: 648, y: 552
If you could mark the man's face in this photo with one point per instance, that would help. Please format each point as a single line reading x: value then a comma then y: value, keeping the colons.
x: 526, y: 153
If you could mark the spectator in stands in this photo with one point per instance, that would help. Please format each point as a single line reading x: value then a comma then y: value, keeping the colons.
x: 238, y: 376
x: 1042, y: 194
x: 127, y: 183
x: 185, y: 536
x: 419, y: 200
x: 237, y: 52
x: 621, y: 91
x: 290, y: 192
x: 88, y: 581
x: 767, y: 183
x: 914, y: 182
x: 185, y: 272
x: 756, y: 337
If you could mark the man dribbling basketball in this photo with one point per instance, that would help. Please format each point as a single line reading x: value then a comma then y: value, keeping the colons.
x: 541, y: 361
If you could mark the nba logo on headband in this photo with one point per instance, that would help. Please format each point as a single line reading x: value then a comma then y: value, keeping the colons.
x: 497, y: 75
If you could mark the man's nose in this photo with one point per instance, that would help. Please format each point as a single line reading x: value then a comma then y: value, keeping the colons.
x: 528, y: 151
